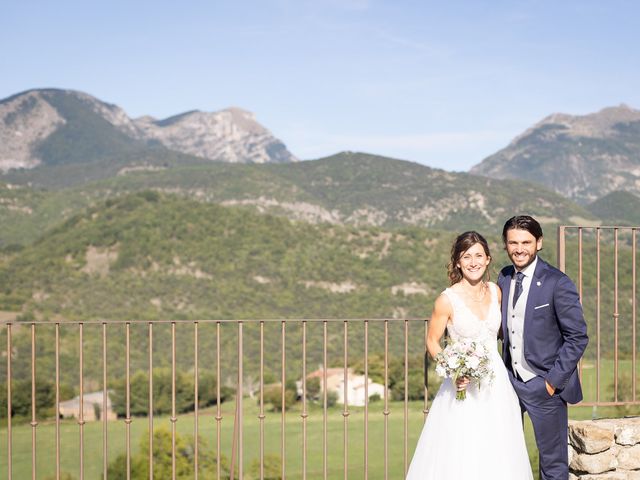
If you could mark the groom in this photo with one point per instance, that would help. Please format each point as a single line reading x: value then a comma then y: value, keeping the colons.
x: 544, y: 335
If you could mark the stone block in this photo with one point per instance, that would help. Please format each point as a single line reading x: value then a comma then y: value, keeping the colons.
x: 617, y: 475
x: 629, y: 457
x: 628, y: 431
x: 595, y: 463
x: 591, y: 437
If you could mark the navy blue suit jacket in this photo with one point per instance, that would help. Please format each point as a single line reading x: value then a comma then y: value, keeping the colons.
x: 555, y: 333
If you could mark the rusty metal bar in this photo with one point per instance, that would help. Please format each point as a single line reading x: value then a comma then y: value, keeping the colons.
x: 385, y: 411
x: 580, y: 266
x: 34, y: 422
x: 218, y: 405
x: 127, y: 420
x: 616, y: 315
x: 195, y: 393
x: 345, y: 404
x: 234, y: 438
x: 366, y: 400
x: 324, y: 400
x: 425, y: 410
x: 105, y: 400
x: 9, y: 407
x: 57, y: 412
x: 406, y: 396
x: 239, y: 400
x: 150, y: 335
x: 633, y: 312
x: 304, y: 413
x: 598, y: 315
x: 561, y: 248
x: 283, y: 400
x: 222, y: 320
x: 174, y: 417
x: 261, y: 415
x: 580, y: 287
x: 81, y: 421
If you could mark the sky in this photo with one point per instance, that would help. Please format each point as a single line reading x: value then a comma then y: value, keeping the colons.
x: 444, y: 84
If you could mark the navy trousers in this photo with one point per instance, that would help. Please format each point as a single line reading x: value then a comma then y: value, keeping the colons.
x: 549, y: 417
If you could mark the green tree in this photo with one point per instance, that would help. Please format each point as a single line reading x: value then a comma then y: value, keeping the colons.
x: 163, y: 462
x: 162, y: 393
x: 272, y: 468
x: 45, y: 396
x: 273, y: 395
x: 313, y: 388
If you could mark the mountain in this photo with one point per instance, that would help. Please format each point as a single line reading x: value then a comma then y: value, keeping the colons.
x: 231, y: 135
x: 345, y: 189
x: 52, y: 127
x: 619, y: 208
x: 580, y: 157
x: 149, y: 255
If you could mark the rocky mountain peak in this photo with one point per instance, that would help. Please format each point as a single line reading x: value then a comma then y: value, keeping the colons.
x: 231, y: 135
x: 594, y: 124
x: 29, y: 121
x: 25, y: 120
x: 583, y: 157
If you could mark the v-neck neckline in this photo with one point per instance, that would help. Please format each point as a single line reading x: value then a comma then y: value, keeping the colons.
x: 486, y: 315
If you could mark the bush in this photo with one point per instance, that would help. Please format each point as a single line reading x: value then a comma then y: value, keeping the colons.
x: 162, y: 459
x: 313, y: 388
x: 273, y: 395
x: 21, y: 398
x: 185, y: 396
x: 63, y: 476
x: 332, y: 399
x: 272, y: 468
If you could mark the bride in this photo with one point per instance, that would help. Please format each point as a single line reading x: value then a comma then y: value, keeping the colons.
x: 480, y: 437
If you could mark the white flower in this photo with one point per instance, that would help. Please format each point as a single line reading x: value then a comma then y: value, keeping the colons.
x: 472, y: 362
x: 452, y: 361
x: 480, y: 350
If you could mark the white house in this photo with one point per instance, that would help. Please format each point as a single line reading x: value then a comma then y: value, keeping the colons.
x: 92, y: 407
x: 355, y: 385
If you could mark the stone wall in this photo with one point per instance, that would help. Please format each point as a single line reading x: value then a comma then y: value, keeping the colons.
x: 607, y: 449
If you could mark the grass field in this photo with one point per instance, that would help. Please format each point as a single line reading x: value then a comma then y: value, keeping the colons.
x: 116, y: 440
x: 70, y: 440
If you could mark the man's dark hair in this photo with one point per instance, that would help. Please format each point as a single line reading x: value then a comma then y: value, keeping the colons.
x: 522, y: 222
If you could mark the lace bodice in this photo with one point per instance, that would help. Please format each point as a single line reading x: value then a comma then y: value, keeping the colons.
x: 466, y: 325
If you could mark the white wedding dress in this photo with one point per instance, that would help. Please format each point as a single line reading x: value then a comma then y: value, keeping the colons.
x: 481, y: 437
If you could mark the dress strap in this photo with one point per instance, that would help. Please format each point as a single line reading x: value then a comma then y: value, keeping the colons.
x: 455, y: 300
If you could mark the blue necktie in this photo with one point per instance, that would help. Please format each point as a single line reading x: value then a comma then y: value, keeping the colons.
x: 518, y: 290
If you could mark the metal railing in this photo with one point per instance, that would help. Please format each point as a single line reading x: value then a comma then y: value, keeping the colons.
x: 602, y: 261
x: 295, y: 352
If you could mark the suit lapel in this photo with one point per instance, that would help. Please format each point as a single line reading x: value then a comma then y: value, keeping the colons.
x: 506, y: 287
x: 534, y: 290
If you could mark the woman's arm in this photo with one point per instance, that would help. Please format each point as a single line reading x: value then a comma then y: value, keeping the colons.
x: 500, y: 335
x: 437, y: 324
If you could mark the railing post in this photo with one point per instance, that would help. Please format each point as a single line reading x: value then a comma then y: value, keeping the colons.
x: 34, y: 422
x: 561, y: 247
x: 9, y: 407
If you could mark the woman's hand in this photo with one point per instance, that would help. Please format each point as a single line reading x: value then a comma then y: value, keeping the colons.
x: 462, y: 383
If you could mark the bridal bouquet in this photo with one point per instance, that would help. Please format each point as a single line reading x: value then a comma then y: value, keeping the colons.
x: 464, y: 359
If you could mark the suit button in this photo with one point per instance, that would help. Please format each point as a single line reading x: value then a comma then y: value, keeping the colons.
x: 513, y: 331
x: 514, y: 347
x: 513, y: 316
x: 515, y: 363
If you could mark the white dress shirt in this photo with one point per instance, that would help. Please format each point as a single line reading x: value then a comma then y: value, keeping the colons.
x: 515, y: 323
